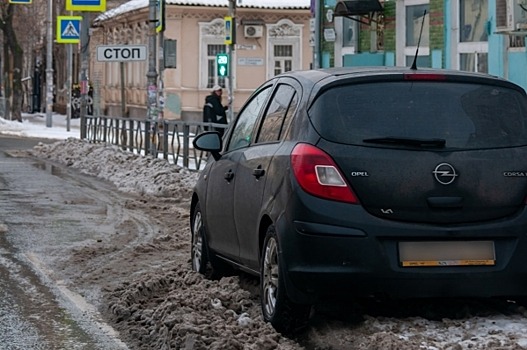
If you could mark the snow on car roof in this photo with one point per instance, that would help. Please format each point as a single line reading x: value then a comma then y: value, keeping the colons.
x: 267, y: 4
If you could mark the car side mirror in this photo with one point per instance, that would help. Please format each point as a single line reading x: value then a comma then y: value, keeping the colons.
x: 209, y: 141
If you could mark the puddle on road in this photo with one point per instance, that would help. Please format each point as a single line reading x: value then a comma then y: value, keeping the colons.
x: 49, y: 168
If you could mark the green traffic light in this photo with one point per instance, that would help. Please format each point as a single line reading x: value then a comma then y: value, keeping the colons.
x: 222, y: 63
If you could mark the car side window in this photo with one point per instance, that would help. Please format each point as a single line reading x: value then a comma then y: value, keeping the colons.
x: 244, y: 128
x: 290, y: 112
x: 275, y: 116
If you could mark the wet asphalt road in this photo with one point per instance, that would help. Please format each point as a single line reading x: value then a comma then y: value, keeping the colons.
x: 36, y: 219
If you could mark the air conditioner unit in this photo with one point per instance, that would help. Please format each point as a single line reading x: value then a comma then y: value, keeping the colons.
x: 510, y: 15
x: 504, y: 15
x: 253, y: 31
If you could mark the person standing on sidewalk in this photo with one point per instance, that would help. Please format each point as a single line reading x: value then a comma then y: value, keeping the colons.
x: 213, y: 110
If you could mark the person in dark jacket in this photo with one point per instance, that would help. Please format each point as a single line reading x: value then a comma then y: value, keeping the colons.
x: 213, y: 110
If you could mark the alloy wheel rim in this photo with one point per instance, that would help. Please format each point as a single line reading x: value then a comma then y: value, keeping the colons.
x: 197, y: 243
x: 270, y: 277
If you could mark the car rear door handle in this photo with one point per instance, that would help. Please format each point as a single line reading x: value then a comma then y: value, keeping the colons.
x: 258, y: 172
x: 229, y: 175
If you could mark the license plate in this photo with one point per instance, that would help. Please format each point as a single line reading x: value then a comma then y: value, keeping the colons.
x: 447, y: 253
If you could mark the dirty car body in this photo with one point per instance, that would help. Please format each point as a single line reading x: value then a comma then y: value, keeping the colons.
x: 364, y: 182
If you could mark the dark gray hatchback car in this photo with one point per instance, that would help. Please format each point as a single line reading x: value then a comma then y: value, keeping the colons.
x: 368, y: 182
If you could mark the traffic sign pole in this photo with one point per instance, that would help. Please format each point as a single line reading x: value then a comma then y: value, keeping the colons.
x: 49, y: 67
x: 85, y: 54
x: 151, y: 75
x: 231, y: 45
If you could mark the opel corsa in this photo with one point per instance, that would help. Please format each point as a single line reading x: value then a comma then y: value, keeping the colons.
x: 361, y: 182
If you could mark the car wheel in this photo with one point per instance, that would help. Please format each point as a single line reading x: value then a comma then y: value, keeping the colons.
x: 203, y: 260
x: 284, y: 315
x: 199, y: 250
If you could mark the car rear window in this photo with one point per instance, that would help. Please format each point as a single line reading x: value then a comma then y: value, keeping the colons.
x: 464, y: 115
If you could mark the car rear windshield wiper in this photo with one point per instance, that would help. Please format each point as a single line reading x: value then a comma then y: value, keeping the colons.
x: 432, y: 143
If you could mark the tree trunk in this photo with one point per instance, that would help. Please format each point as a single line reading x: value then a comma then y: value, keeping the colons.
x: 7, y: 81
x: 18, y: 92
x: 16, y: 74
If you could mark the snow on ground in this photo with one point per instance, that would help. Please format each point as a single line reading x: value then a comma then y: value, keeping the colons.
x: 473, y: 328
x: 35, y: 125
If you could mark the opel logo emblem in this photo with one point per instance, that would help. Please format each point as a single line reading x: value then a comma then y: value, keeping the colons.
x: 445, y: 173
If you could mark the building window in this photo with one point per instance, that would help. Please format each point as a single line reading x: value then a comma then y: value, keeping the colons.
x: 212, y: 38
x: 473, y: 16
x: 284, y: 40
x: 414, y: 15
x: 283, y: 58
x: 516, y: 41
x: 348, y: 27
x: 472, y: 39
x: 417, y: 17
x: 278, y: 113
x: 474, y: 62
x: 346, y: 39
x: 212, y: 71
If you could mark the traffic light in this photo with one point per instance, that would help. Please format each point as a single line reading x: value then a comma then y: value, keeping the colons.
x: 222, y: 64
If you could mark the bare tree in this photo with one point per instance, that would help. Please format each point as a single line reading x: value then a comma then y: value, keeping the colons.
x: 13, y: 61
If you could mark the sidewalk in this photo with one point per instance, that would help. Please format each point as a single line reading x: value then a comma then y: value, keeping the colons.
x: 34, y: 125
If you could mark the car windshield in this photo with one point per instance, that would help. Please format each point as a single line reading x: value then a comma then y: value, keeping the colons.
x: 422, y: 114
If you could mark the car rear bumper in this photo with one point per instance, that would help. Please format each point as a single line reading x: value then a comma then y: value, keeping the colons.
x: 362, y: 259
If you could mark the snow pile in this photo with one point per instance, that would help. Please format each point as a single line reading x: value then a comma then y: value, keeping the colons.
x: 187, y: 318
x: 126, y: 170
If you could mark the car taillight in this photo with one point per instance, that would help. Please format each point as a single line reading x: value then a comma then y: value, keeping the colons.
x: 317, y: 174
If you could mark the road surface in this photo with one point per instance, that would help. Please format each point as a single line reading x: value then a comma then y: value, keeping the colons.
x: 36, y: 218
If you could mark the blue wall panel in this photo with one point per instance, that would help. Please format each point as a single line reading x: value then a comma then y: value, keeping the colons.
x: 363, y: 59
x: 518, y: 68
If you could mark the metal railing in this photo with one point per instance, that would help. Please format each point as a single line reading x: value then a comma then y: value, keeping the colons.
x: 167, y: 139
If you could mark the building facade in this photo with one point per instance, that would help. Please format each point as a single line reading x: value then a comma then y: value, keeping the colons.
x: 471, y: 35
x: 270, y: 39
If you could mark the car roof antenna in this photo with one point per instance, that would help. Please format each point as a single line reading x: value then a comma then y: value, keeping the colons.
x: 414, y: 64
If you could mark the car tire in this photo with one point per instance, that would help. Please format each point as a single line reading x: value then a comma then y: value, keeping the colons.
x: 199, y: 250
x: 202, y: 259
x: 284, y: 315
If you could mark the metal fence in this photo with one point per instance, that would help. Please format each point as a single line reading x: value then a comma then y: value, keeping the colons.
x: 167, y: 139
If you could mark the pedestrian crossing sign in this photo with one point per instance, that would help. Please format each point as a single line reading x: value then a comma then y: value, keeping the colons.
x: 20, y: 1
x: 69, y: 29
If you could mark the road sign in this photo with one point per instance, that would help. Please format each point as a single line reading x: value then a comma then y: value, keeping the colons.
x: 68, y: 29
x: 121, y: 53
x: 222, y: 62
x: 86, y: 5
x: 160, y: 10
x: 228, y: 30
x: 20, y: 1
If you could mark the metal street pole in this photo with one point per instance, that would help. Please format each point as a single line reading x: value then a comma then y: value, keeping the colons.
x: 151, y: 75
x: 232, y: 13
x: 49, y: 66
x: 318, y: 23
x: 85, y: 55
x: 69, y: 69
